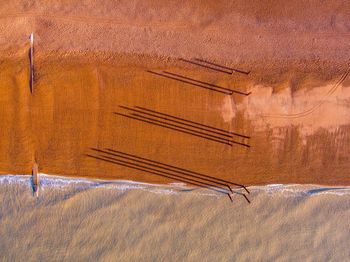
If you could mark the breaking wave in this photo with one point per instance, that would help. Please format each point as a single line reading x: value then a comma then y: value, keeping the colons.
x: 288, y: 190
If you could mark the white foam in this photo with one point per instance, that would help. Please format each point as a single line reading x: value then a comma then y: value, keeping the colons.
x: 287, y: 190
x: 14, y: 179
x: 302, y: 190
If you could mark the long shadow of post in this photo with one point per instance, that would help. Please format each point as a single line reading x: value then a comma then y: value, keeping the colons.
x: 183, y: 130
x: 224, y: 67
x: 228, y: 92
x: 222, y: 70
x: 165, y: 170
x: 192, y: 122
x: 182, y: 125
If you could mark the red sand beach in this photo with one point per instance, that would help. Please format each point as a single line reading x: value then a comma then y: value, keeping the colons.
x: 89, y: 61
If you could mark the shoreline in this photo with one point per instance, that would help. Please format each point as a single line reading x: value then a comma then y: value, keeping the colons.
x: 123, y: 184
x: 195, y: 130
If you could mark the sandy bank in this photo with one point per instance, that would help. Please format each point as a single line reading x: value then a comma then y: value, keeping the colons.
x: 89, y: 61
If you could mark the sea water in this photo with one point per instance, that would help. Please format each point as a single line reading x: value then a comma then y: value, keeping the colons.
x: 82, y: 219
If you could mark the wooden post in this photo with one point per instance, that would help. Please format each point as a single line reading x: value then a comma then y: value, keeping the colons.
x: 35, y: 179
x: 31, y: 57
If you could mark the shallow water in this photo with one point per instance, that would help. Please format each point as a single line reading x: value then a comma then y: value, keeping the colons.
x: 78, y: 219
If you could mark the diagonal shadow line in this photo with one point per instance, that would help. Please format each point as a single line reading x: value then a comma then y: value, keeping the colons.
x: 209, y: 67
x: 194, y: 131
x: 153, y: 115
x: 121, y: 155
x: 187, y: 82
x: 182, y: 169
x: 185, y: 120
x: 207, y: 62
x: 167, y: 175
x: 246, y: 198
x: 178, y: 168
x: 179, y: 130
x: 198, y: 81
x: 157, y: 172
x: 216, y: 137
x: 225, y: 67
x: 171, y: 176
x: 201, y: 82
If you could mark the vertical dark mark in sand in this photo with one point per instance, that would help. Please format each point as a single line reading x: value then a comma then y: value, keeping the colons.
x: 35, y: 180
x: 31, y: 63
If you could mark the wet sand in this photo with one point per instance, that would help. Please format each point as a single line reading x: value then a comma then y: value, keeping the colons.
x: 87, y: 64
x: 72, y: 110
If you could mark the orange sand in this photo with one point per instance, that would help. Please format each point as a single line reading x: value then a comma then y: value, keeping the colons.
x: 90, y: 60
